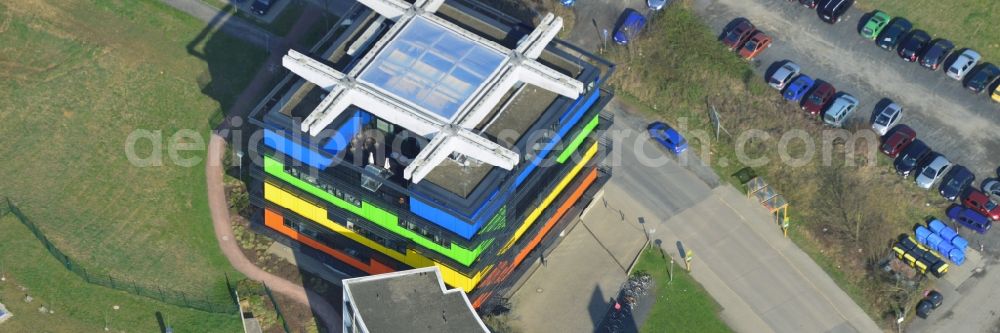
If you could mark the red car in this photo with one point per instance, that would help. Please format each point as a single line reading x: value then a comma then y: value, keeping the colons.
x: 981, y: 203
x: 817, y: 99
x: 738, y: 35
x: 758, y: 42
x: 899, y: 137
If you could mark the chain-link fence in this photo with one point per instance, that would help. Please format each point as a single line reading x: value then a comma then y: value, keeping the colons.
x: 165, y: 295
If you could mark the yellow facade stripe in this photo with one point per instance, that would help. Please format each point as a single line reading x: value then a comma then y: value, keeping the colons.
x: 548, y: 199
x: 318, y: 214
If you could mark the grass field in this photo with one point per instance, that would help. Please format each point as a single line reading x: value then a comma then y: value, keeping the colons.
x: 681, y: 306
x: 78, y: 76
x: 78, y: 306
x: 968, y: 23
x: 680, y: 73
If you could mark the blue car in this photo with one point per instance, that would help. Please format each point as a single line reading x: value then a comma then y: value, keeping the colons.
x: 668, y: 137
x: 630, y: 24
x: 969, y: 218
x: 798, y: 88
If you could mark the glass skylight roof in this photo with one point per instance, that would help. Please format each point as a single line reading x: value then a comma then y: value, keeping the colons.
x: 432, y: 67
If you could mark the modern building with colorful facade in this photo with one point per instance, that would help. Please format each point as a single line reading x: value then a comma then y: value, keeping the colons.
x: 432, y: 133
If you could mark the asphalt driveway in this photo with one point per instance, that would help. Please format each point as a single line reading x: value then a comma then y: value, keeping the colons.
x: 952, y: 120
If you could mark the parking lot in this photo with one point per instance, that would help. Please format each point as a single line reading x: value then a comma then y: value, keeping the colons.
x: 947, y: 116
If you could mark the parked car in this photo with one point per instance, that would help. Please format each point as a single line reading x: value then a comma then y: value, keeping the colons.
x: 875, y: 24
x: 982, y: 77
x: 758, y: 42
x: 983, y: 204
x: 955, y: 182
x: 832, y: 11
x: 887, y: 118
x: 839, y: 109
x: 992, y: 187
x: 631, y: 25
x: 783, y: 75
x: 738, y: 35
x: 931, y: 172
x: 818, y: 98
x: 798, y: 88
x: 809, y: 3
x: 936, y: 53
x: 900, y: 137
x: 929, y: 303
x: 892, y: 33
x: 657, y: 4
x: 261, y: 7
x: 969, y: 218
x: 915, y: 42
x: 963, y: 64
x: 914, y: 155
x: 668, y: 137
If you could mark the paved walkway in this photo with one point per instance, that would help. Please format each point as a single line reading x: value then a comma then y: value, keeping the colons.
x: 219, y: 206
x: 329, y: 315
x: 762, y: 280
x: 598, y: 251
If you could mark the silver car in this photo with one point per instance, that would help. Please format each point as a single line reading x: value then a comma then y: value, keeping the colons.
x: 887, y: 118
x: 963, y: 64
x: 992, y: 187
x: 932, y: 172
x: 657, y: 4
x: 783, y: 75
x: 839, y: 109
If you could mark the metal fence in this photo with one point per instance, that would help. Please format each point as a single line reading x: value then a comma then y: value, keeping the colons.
x: 165, y: 295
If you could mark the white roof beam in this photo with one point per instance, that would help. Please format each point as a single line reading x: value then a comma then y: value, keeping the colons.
x: 429, y: 6
x: 533, y: 45
x: 312, y: 70
x: 549, y: 79
x: 454, y: 139
x: 391, y: 9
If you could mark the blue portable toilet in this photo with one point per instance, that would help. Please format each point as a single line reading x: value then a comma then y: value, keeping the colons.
x: 947, y: 234
x: 957, y: 256
x: 936, y: 225
x: 933, y: 240
x: 944, y: 248
x: 960, y: 243
x: 922, y: 233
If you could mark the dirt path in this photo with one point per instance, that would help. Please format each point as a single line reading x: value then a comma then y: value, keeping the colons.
x: 329, y: 316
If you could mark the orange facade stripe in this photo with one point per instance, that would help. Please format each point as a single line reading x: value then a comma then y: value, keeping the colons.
x: 275, y: 221
x: 502, y: 271
x: 558, y: 215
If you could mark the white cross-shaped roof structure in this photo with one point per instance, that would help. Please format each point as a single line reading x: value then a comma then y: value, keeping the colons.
x: 447, y: 99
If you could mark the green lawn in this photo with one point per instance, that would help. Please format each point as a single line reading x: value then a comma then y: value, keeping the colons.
x: 78, y: 76
x: 682, y: 305
x: 968, y: 23
x: 79, y: 306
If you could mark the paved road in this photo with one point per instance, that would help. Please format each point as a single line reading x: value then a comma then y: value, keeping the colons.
x: 949, y: 117
x: 764, y: 282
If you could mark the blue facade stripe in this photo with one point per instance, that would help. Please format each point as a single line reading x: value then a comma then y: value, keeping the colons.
x: 443, y: 219
x: 295, y: 150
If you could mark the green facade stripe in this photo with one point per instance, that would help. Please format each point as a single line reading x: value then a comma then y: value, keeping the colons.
x: 573, y: 145
x: 377, y: 215
x: 499, y: 221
